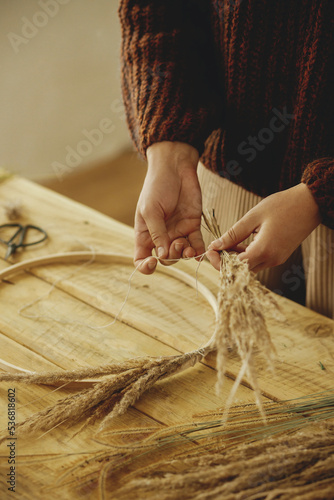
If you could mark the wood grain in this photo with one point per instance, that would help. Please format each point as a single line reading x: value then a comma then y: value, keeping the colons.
x: 163, y: 316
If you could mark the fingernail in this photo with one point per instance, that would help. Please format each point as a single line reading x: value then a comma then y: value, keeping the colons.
x: 178, y: 247
x: 217, y: 245
x: 151, y: 264
x: 161, y: 251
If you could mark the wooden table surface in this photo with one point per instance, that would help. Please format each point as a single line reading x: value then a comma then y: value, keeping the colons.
x: 163, y: 316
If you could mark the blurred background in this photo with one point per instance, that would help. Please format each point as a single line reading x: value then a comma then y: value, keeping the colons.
x: 62, y: 120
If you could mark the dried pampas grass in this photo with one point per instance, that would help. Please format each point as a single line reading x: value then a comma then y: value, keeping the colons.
x: 240, y: 324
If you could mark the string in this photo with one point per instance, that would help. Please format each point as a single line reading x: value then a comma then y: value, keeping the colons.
x: 170, y: 364
x: 201, y: 350
x: 134, y: 272
x: 117, y: 317
x: 201, y: 258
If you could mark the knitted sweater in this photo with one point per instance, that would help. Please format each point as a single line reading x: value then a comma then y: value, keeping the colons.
x: 248, y: 83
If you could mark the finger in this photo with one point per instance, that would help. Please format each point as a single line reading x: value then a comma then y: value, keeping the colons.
x: 142, y: 252
x: 146, y: 266
x: 176, y: 250
x: 259, y: 267
x: 214, y: 258
x: 143, y: 246
x: 189, y: 253
x: 240, y: 248
x: 261, y: 253
x: 196, y: 242
x: 235, y: 235
x: 144, y: 243
x: 254, y: 258
x: 158, y: 232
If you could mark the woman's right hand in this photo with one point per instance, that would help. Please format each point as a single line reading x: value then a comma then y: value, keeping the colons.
x: 169, y: 209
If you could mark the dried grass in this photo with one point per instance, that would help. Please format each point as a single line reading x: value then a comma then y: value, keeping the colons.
x: 123, y: 385
x: 204, y: 459
x: 243, y: 303
x: 301, y: 466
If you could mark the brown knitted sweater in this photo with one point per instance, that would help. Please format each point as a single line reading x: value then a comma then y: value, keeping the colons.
x: 248, y: 83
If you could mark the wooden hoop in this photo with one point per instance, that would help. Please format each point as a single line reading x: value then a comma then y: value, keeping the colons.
x: 101, y: 257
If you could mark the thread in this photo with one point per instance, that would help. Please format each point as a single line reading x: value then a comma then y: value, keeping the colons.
x: 117, y: 317
x: 239, y: 320
x: 201, y: 351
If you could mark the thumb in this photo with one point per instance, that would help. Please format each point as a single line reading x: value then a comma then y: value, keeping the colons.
x: 235, y: 235
x: 157, y: 228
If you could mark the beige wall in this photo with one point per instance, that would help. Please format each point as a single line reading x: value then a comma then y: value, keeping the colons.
x: 59, y: 81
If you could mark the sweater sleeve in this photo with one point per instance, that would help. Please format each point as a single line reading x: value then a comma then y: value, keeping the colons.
x: 319, y: 177
x: 169, y: 86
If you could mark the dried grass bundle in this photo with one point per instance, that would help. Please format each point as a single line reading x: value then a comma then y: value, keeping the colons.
x: 244, y: 424
x: 211, y: 457
x: 240, y: 322
x: 124, y: 384
x: 243, y: 303
x: 299, y: 467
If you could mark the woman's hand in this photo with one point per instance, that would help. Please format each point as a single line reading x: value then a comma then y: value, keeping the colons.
x: 279, y: 223
x: 169, y: 209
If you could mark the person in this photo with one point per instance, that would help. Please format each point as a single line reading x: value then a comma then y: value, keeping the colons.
x: 231, y: 103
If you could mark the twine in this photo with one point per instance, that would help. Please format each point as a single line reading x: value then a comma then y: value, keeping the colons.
x: 240, y: 324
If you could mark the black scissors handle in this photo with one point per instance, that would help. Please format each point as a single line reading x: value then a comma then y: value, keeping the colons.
x: 19, y: 235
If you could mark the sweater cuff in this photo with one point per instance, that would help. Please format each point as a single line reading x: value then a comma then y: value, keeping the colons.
x: 189, y: 133
x: 319, y: 178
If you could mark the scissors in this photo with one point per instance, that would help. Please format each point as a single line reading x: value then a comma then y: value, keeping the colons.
x: 17, y: 239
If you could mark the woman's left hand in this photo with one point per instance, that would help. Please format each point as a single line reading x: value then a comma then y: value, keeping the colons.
x: 280, y: 222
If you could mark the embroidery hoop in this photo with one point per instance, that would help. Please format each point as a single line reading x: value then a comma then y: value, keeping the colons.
x: 99, y: 257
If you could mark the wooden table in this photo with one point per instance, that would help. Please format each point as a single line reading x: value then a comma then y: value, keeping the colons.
x: 163, y: 316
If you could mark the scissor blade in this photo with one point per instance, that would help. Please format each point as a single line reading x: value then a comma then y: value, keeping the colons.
x: 10, y: 251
